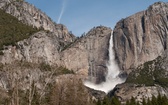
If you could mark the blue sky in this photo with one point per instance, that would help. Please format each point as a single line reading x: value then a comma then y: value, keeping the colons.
x: 81, y: 15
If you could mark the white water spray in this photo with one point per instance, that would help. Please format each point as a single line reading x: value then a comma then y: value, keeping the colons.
x: 112, y: 78
x: 62, y: 10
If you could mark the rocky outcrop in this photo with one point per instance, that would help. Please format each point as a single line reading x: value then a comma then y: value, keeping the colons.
x: 89, y: 54
x: 43, y: 46
x: 30, y: 15
x: 96, y: 94
x: 86, y: 56
x: 146, y: 80
x: 55, y: 45
x: 141, y: 37
x: 140, y: 44
x: 40, y: 47
x: 126, y: 91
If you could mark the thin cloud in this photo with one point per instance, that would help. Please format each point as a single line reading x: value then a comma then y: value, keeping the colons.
x: 62, y: 10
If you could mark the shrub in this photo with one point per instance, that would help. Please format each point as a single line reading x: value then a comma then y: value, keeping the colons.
x: 149, y: 74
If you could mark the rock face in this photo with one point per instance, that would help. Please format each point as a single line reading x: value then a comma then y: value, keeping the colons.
x: 40, y: 47
x: 146, y: 80
x: 30, y: 15
x: 96, y: 94
x: 89, y: 54
x: 137, y: 39
x: 126, y: 91
x: 86, y: 56
x: 141, y: 37
x: 140, y: 44
x: 44, y: 46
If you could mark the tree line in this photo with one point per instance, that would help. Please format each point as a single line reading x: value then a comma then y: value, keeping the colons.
x: 159, y: 100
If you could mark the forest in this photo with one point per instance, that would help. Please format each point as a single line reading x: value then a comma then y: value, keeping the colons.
x: 159, y: 100
x: 12, y: 30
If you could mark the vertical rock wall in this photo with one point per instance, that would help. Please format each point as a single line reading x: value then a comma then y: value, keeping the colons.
x: 141, y: 37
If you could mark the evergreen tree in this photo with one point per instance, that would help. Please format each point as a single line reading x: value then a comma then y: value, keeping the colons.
x: 132, y: 101
x: 137, y: 103
x: 144, y: 102
x: 115, y: 101
x: 106, y: 101
x: 149, y: 102
x: 159, y: 100
x: 127, y: 102
x: 165, y: 100
x: 98, y: 102
x: 154, y: 100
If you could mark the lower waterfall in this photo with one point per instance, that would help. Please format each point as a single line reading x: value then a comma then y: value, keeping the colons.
x: 112, y: 77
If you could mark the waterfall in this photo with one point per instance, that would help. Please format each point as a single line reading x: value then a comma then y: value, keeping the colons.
x: 112, y: 77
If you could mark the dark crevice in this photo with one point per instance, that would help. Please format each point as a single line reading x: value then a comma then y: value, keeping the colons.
x: 165, y: 45
x: 143, y: 23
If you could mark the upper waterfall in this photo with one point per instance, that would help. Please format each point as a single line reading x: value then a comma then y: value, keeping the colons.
x: 112, y: 77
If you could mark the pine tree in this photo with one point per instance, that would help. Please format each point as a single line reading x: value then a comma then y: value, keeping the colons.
x: 106, y: 101
x: 144, y: 102
x: 149, y: 102
x: 132, y: 101
x: 127, y: 102
x: 98, y: 102
x: 165, y: 100
x: 137, y: 103
x: 154, y: 100
x: 115, y: 101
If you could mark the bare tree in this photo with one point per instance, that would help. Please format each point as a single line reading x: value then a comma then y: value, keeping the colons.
x: 70, y: 92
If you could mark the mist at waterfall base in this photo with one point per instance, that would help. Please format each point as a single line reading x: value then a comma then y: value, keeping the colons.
x: 112, y: 77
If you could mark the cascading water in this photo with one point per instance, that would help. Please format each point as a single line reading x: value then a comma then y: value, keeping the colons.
x: 112, y: 77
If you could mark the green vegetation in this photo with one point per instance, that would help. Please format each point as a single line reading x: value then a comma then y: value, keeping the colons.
x: 1, y: 53
x: 58, y: 70
x: 68, y: 45
x: 109, y: 101
x: 12, y: 30
x: 149, y: 74
x: 159, y: 100
x: 45, y: 67
x: 63, y: 70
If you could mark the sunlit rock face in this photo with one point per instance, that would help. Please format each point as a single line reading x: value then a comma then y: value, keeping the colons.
x: 139, y: 41
x: 113, y: 75
x: 55, y: 45
x: 86, y: 56
x: 30, y: 15
x: 40, y: 47
x: 89, y: 54
x: 141, y: 37
x: 43, y: 46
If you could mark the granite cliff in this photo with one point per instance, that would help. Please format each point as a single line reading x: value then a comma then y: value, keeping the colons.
x: 138, y: 40
x: 141, y: 50
x: 54, y: 45
x: 89, y: 54
x: 141, y: 37
x: 30, y: 15
x: 40, y: 47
